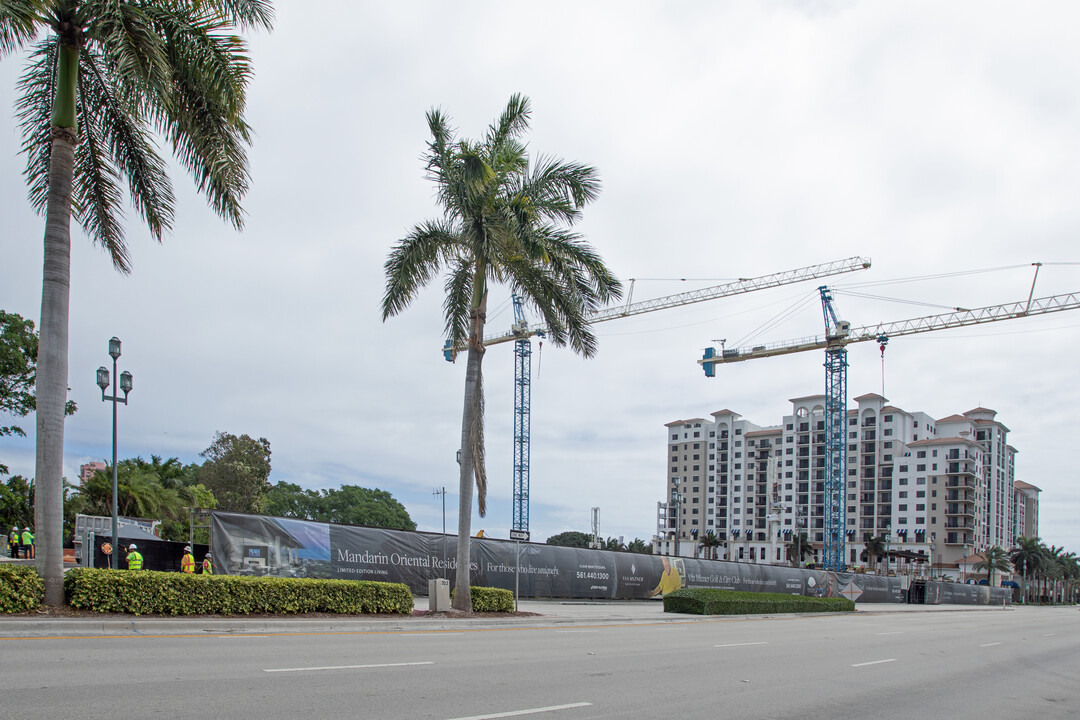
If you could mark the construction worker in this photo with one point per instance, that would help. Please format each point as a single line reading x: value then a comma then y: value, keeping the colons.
x: 134, y: 557
x: 13, y: 541
x: 28, y: 543
x: 187, y: 563
x: 208, y: 565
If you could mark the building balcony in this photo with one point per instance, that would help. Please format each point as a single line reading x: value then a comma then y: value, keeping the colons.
x: 957, y: 481
x: 952, y: 524
x: 963, y: 509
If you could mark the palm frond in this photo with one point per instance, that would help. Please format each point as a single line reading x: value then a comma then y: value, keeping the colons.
x: 248, y: 14
x: 112, y: 128
x: 512, y: 123
x: 133, y: 50
x: 19, y: 22
x: 476, y: 441
x: 203, y: 115
x: 458, y: 301
x: 413, y: 263
x: 36, y: 87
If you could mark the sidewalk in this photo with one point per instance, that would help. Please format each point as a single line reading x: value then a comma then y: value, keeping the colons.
x: 545, y: 613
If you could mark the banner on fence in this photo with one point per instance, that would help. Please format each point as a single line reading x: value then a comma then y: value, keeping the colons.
x: 258, y: 545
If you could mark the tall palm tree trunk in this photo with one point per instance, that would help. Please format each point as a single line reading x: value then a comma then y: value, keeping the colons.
x: 472, y: 418
x: 52, y: 362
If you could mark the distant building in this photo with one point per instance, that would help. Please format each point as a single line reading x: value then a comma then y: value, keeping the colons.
x: 944, y: 487
x: 1026, y: 509
x: 87, y: 470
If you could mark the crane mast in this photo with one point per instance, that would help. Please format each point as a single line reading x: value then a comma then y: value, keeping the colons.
x: 838, y: 335
x: 836, y: 365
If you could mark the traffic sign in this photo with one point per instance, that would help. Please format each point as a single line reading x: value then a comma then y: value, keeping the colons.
x: 519, y: 535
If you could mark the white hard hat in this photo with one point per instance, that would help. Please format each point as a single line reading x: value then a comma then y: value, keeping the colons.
x: 207, y: 554
x: 132, y: 547
x: 187, y: 548
x: 26, y: 528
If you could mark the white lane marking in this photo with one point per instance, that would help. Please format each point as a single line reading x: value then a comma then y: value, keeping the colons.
x: 895, y: 632
x: 990, y: 644
x: 1049, y: 634
x: 347, y: 667
x: 530, y: 711
x: 239, y: 637
x: 741, y: 644
x: 873, y: 662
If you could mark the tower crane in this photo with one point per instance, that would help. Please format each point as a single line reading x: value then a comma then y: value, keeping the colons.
x: 520, y: 334
x: 838, y: 335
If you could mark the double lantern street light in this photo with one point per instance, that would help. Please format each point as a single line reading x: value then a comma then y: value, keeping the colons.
x: 125, y: 385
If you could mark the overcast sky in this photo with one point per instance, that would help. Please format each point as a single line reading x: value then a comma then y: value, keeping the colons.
x: 733, y: 140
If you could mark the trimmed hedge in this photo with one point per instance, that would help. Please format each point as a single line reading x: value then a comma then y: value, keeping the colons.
x: 21, y: 589
x: 488, y: 599
x: 146, y: 592
x: 709, y: 601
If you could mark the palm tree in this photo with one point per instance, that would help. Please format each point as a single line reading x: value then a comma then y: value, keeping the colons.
x: 1070, y: 567
x: 1026, y: 558
x: 994, y: 558
x: 505, y: 220
x: 798, y: 548
x: 709, y: 543
x: 105, y: 77
x: 874, y: 548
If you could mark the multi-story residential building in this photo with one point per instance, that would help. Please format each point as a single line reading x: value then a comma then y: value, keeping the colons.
x: 87, y: 470
x: 1025, y: 510
x: 940, y: 488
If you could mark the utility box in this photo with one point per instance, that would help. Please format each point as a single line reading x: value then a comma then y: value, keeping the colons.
x: 438, y: 595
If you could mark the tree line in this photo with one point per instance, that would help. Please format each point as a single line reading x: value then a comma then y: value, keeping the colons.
x: 234, y: 477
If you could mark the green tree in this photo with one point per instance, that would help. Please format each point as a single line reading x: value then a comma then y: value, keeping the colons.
x: 505, y: 220
x: 798, y: 548
x: 237, y: 471
x: 709, y: 543
x: 105, y: 77
x: 1027, y: 557
x: 874, y: 549
x: 571, y: 538
x: 289, y: 500
x: 16, y: 503
x: 18, y: 366
x: 994, y: 558
x: 353, y: 505
x: 637, y: 545
x: 613, y: 544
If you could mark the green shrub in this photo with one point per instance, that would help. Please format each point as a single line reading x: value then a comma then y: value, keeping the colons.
x: 488, y: 599
x: 21, y: 589
x: 710, y: 601
x: 147, y: 592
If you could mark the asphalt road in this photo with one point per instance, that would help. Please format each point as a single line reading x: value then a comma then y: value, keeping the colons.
x: 1020, y: 662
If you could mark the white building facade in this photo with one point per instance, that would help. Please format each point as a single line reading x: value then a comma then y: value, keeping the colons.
x: 940, y: 489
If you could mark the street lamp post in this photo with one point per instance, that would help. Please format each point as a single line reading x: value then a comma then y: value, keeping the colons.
x: 125, y: 385
x: 933, y: 537
x: 888, y: 538
x: 436, y: 493
x: 676, y: 500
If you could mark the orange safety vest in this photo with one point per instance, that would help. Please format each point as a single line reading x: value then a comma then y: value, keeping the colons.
x: 187, y: 563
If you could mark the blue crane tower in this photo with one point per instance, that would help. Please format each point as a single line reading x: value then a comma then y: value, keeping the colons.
x: 522, y: 400
x: 836, y: 365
